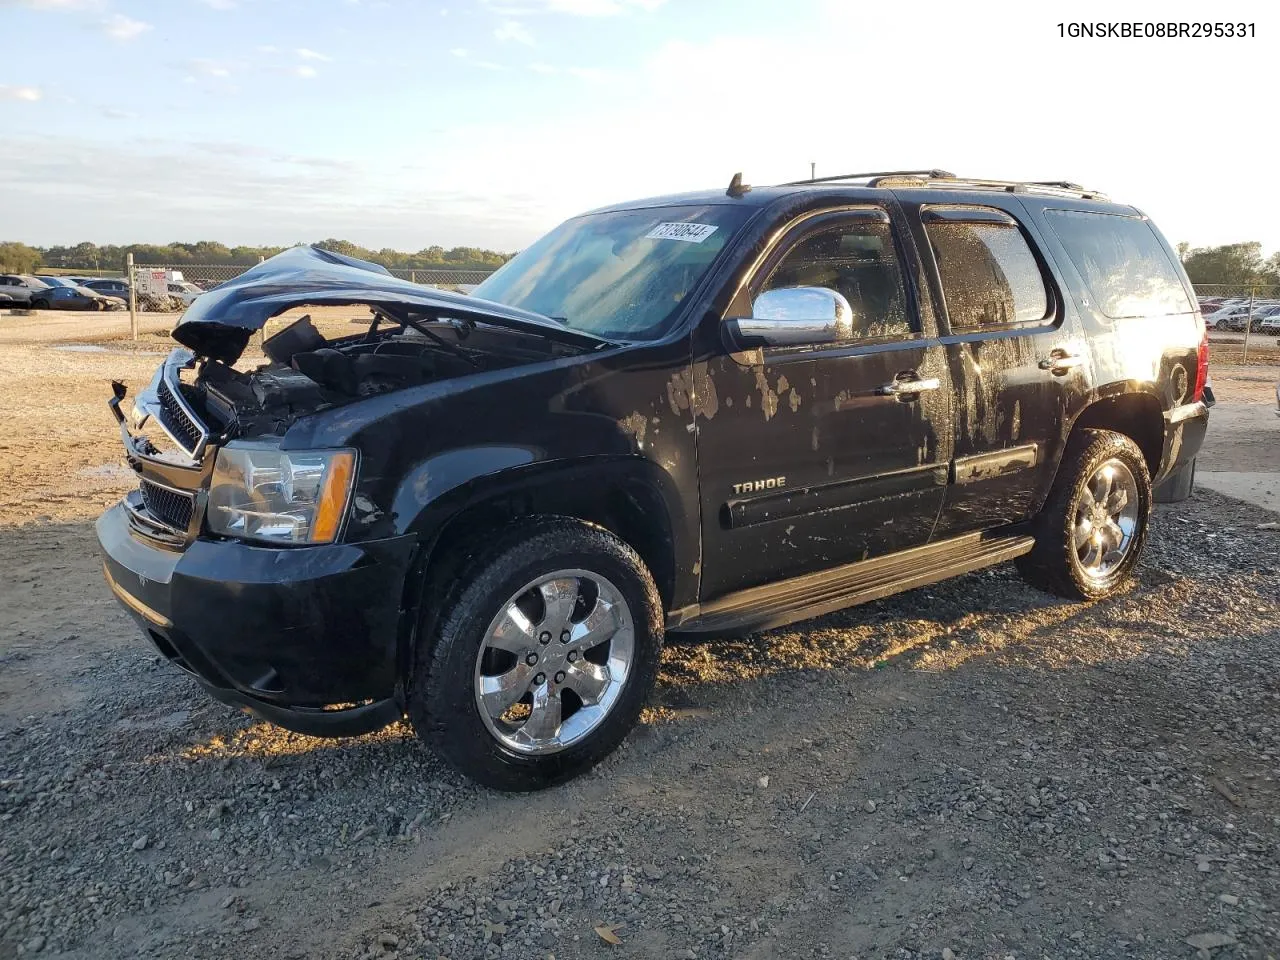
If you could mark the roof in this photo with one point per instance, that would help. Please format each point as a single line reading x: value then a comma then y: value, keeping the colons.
x: 868, y: 184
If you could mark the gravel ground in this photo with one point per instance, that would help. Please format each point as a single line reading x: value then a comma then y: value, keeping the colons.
x: 1228, y: 348
x: 972, y: 770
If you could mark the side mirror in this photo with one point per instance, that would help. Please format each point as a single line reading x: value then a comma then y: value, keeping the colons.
x: 791, y: 316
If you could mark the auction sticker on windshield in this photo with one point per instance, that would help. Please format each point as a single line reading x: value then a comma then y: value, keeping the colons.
x: 688, y: 232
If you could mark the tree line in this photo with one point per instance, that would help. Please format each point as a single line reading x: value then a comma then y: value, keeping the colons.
x: 1235, y: 263
x: 21, y: 258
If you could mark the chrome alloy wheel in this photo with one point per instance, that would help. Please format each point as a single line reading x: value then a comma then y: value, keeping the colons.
x: 1106, y: 519
x: 554, y: 661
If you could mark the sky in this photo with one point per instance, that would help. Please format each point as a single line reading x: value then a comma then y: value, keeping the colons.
x: 408, y: 123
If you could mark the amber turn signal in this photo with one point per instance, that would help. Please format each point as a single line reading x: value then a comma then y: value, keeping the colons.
x: 333, y: 497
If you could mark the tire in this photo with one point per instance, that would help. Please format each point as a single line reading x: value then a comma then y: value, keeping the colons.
x: 40, y: 305
x: 460, y: 650
x: 1056, y: 563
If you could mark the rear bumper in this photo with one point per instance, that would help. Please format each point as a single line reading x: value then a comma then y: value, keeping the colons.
x: 1184, y: 430
x: 285, y: 633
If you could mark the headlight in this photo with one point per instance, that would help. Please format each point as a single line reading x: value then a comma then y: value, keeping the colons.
x: 261, y: 492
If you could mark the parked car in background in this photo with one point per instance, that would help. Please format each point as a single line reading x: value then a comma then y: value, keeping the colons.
x: 1225, y: 317
x: 22, y: 287
x: 17, y: 290
x: 1268, y: 321
x: 1259, y: 311
x: 184, y: 291
x: 109, y: 287
x: 115, y: 287
x: 69, y: 296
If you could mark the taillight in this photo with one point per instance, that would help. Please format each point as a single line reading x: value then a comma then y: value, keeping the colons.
x: 1202, y: 368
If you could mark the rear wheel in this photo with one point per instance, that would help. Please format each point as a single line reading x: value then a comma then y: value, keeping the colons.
x: 542, y: 657
x: 1093, y: 527
x: 39, y: 304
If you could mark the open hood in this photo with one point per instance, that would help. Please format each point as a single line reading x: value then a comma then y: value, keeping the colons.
x: 218, y: 324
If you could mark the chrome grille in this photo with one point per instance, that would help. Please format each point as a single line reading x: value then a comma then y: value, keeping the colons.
x: 181, y: 425
x: 171, y: 508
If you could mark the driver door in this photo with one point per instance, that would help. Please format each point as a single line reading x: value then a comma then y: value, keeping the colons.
x: 825, y: 449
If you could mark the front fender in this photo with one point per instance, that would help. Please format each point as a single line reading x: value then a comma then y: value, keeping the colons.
x: 577, y: 487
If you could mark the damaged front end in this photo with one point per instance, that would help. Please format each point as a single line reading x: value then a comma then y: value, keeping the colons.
x: 231, y: 551
x: 202, y: 403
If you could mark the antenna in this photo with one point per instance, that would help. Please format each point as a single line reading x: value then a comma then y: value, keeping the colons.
x: 736, y: 187
x: 813, y: 171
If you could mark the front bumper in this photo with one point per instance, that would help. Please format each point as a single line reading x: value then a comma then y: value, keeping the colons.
x: 288, y: 633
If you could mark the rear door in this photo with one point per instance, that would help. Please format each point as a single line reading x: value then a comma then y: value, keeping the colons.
x: 1016, y: 353
x: 814, y: 456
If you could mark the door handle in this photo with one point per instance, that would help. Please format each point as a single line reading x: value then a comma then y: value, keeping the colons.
x: 1060, y: 362
x: 908, y: 389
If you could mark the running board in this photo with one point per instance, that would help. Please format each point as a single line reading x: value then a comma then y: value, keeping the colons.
x: 814, y: 594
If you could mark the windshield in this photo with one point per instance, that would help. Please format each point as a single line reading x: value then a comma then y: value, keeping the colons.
x: 619, y: 275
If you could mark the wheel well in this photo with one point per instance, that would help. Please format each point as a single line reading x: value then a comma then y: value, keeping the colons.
x: 1137, y: 415
x: 631, y: 511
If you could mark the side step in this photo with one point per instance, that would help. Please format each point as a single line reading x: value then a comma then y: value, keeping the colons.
x: 813, y: 594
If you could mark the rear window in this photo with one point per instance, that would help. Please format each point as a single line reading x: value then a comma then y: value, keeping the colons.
x: 1124, y: 265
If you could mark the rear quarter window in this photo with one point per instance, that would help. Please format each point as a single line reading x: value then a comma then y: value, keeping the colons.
x: 1126, y: 269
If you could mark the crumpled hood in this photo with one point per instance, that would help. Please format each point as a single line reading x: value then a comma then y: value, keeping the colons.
x: 218, y: 324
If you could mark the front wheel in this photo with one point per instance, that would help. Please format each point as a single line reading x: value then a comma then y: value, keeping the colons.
x: 1093, y: 527
x: 542, y: 658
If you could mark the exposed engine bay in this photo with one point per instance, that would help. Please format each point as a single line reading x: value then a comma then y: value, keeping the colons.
x: 307, y: 373
x: 417, y: 335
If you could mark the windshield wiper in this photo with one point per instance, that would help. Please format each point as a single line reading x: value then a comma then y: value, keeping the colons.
x: 410, y: 320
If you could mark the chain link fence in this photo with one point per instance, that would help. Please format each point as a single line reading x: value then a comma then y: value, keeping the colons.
x: 210, y: 275
x: 448, y: 279
x: 171, y: 287
x: 205, y: 276
x: 1244, y: 318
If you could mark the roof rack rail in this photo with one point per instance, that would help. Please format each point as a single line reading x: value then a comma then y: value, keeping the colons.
x: 1060, y: 188
x: 941, y: 178
x: 876, y: 173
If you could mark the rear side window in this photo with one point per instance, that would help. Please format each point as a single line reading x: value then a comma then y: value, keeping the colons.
x: 1124, y: 265
x: 989, y: 275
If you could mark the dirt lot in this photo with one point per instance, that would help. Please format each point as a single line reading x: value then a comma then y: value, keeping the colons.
x: 973, y: 770
x: 1228, y: 348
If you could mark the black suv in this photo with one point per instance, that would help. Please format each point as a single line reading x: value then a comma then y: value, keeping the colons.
x: 712, y: 412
